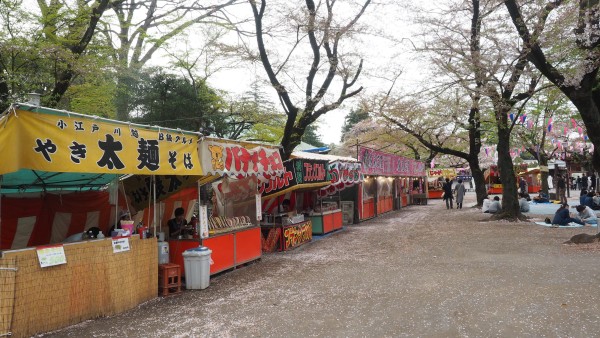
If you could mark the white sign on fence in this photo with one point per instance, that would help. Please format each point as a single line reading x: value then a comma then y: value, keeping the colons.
x: 51, y: 255
x: 120, y: 244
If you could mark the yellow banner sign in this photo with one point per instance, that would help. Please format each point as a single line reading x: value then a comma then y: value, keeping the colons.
x: 57, y: 142
x: 445, y: 172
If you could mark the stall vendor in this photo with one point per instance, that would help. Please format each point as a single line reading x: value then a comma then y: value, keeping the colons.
x: 123, y: 216
x: 177, y: 224
x: 287, y: 208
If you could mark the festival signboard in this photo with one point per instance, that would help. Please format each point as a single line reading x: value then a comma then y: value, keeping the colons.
x: 384, y: 164
x: 343, y: 175
x: 54, y: 141
x: 237, y: 159
x: 296, y: 235
x: 444, y: 172
x: 299, y: 173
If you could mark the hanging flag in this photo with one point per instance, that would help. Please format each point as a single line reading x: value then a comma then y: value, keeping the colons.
x: 511, y: 117
x: 487, y: 152
x: 432, y: 163
x: 579, y: 130
x: 566, y: 130
x: 573, y: 123
x: 585, y: 137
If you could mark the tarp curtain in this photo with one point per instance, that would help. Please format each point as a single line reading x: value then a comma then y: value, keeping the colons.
x: 51, y: 218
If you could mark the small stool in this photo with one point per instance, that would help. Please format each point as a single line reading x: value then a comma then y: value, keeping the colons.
x: 169, y: 279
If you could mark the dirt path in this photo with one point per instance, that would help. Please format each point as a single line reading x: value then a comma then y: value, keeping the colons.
x: 421, y: 271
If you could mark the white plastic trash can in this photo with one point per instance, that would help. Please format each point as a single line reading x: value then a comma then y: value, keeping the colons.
x: 197, y: 267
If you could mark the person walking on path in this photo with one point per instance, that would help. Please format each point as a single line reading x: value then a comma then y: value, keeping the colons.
x: 561, y: 187
x: 448, y: 194
x: 593, y: 182
x: 460, y: 194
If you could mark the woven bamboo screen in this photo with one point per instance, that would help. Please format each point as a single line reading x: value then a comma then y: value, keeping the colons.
x: 95, y: 282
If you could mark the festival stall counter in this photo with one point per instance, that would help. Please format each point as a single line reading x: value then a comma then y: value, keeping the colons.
x: 288, y: 229
x: 436, y: 179
x: 229, y: 226
x: 52, y: 153
x: 390, y: 180
x: 326, y: 214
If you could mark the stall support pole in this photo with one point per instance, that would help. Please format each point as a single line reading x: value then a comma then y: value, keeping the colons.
x: 117, y: 204
x: 154, y: 197
x: 1, y: 178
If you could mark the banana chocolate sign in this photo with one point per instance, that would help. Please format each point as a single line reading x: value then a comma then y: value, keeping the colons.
x: 236, y: 159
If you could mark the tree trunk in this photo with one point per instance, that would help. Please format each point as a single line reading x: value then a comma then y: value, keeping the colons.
x: 479, y: 179
x: 510, y: 202
x: 543, y: 159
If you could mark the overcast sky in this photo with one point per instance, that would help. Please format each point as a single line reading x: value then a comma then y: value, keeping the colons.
x: 380, y: 54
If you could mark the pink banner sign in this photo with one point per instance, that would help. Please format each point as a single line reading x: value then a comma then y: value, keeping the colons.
x: 235, y: 160
x: 383, y: 164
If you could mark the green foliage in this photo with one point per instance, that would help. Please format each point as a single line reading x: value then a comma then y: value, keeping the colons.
x: 355, y: 116
x: 311, y: 135
x: 172, y: 101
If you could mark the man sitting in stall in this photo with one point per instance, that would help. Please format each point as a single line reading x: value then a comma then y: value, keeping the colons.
x: 177, y: 224
x: 287, y: 208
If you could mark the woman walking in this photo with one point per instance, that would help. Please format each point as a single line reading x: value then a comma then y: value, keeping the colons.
x: 460, y: 194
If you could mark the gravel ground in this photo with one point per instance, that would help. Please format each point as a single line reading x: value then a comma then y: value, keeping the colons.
x: 423, y: 271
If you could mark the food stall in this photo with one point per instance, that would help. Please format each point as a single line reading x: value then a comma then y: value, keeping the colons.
x: 233, y: 231
x: 327, y: 215
x: 285, y: 230
x: 388, y: 174
x: 492, y: 180
x: 533, y: 177
x: 54, y: 187
x: 436, y: 179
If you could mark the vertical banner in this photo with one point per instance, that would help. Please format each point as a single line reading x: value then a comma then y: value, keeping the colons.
x: 203, y: 219
x: 258, y: 208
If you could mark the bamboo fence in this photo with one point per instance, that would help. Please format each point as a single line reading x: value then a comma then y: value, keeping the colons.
x: 95, y: 282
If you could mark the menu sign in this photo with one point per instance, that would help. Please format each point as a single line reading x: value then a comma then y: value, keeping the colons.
x: 51, y: 255
x: 120, y: 244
